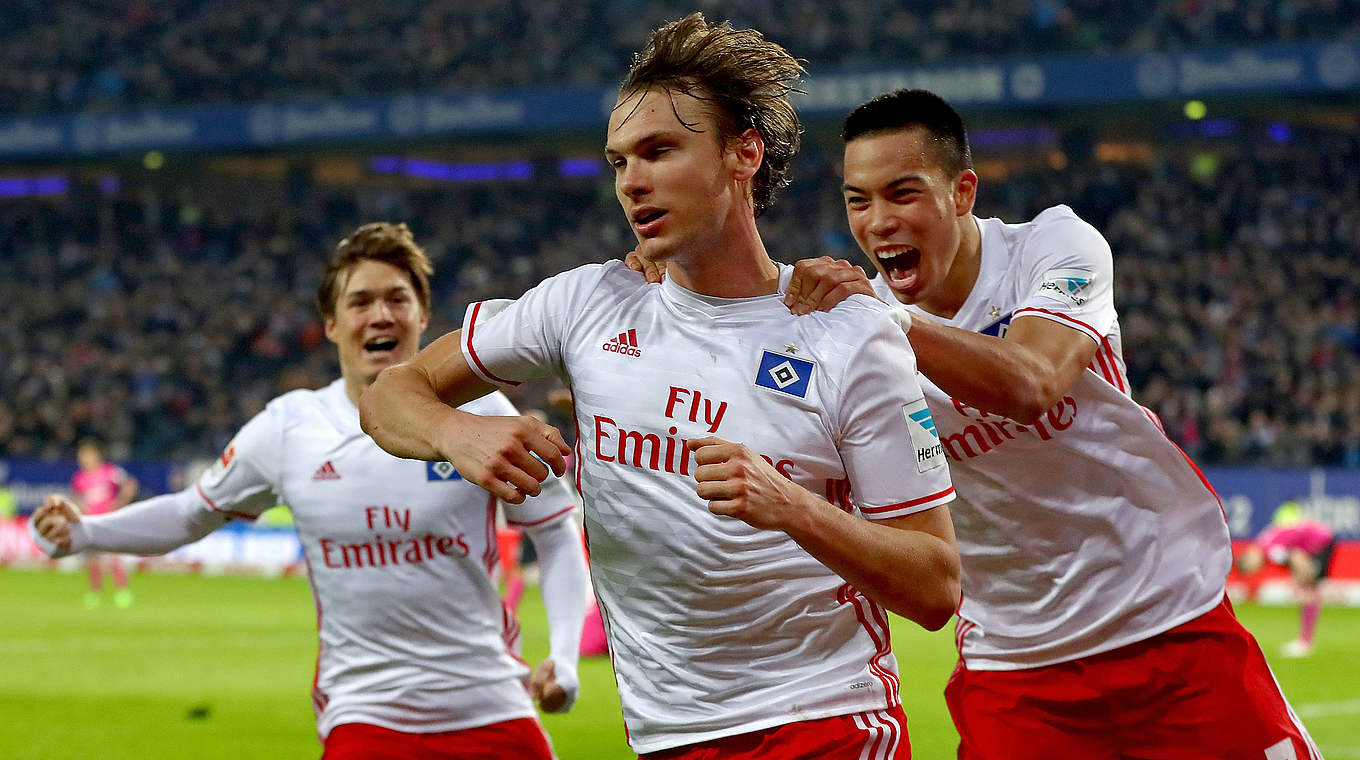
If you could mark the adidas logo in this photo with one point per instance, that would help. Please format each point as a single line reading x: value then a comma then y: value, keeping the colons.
x: 625, y: 343
x: 326, y: 472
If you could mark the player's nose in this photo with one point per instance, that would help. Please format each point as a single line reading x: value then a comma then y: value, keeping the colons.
x: 632, y: 181
x: 882, y: 221
x: 381, y: 313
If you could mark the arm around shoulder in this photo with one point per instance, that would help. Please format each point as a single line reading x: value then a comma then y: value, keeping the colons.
x: 1020, y: 376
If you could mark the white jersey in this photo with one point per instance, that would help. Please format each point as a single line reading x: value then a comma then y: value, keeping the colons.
x: 718, y: 628
x: 1089, y: 529
x: 402, y: 556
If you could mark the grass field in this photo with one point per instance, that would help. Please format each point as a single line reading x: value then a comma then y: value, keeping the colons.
x: 221, y: 667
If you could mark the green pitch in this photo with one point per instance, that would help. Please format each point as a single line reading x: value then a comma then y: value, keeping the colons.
x: 211, y: 668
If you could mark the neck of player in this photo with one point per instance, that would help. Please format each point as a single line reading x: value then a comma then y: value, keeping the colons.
x: 963, y: 272
x: 355, y: 384
x: 732, y: 264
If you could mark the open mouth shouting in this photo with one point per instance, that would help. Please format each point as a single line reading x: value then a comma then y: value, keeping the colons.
x: 380, y: 347
x: 901, y: 265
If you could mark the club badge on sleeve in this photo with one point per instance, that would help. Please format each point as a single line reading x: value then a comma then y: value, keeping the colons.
x: 220, y: 466
x: 785, y: 374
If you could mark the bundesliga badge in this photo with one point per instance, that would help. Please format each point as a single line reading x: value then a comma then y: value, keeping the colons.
x: 924, y: 437
x: 441, y: 471
x: 785, y: 374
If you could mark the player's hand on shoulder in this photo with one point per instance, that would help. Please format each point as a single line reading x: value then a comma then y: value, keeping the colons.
x: 553, y: 688
x: 508, y: 456
x: 821, y: 283
x: 637, y: 261
x: 737, y: 482
x: 53, y: 520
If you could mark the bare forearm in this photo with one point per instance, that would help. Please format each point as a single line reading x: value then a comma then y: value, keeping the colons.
x: 913, y: 573
x: 401, y: 411
x: 986, y: 373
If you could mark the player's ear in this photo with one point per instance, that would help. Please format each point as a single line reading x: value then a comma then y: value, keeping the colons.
x: 965, y: 192
x: 747, y: 152
x: 328, y: 322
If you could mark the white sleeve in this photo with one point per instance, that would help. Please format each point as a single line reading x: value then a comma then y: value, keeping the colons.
x: 243, y: 482
x: 153, y: 526
x: 882, y: 417
x: 1070, y: 271
x: 566, y: 595
x: 240, y: 484
x: 506, y: 342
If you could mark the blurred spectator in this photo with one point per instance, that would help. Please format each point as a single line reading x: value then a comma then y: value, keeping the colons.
x: 86, y: 54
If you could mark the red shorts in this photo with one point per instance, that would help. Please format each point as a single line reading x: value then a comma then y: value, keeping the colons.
x: 877, y: 735
x: 1200, y: 690
x: 520, y: 739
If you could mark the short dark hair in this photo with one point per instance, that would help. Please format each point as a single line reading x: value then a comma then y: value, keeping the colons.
x: 379, y: 241
x: 909, y: 109
x: 747, y: 77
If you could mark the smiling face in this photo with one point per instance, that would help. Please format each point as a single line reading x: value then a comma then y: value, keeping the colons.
x: 678, y: 185
x: 908, y: 214
x: 377, y: 320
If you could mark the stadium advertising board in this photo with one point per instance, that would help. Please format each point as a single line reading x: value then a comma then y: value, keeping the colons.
x: 1250, y: 497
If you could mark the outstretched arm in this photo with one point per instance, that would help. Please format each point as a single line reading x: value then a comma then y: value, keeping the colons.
x: 410, y: 412
x: 154, y: 526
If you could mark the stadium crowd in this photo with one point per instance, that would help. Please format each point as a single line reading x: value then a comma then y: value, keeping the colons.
x: 161, y: 314
x: 78, y: 55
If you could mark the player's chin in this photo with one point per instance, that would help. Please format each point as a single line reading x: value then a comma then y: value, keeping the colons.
x: 656, y: 247
x: 376, y: 362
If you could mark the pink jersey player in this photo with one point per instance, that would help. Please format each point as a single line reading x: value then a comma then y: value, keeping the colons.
x: 1305, y: 547
x: 100, y: 486
x: 1309, y: 536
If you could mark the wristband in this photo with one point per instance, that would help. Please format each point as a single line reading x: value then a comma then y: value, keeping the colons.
x: 903, y: 318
